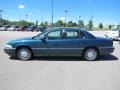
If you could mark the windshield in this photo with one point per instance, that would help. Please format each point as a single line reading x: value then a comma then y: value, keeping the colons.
x: 38, y: 36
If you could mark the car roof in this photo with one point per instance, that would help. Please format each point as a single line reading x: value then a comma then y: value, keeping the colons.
x: 70, y: 28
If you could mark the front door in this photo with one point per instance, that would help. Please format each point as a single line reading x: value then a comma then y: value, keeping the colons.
x: 51, y: 45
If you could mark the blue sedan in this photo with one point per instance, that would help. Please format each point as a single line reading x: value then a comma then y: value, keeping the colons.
x: 60, y: 42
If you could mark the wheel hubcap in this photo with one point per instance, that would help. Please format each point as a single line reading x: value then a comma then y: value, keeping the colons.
x: 24, y: 54
x: 91, y: 54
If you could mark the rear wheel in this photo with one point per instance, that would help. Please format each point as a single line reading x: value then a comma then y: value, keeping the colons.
x: 90, y: 54
x: 24, y: 54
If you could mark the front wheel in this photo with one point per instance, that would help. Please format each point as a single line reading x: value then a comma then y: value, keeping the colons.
x: 24, y: 54
x: 90, y: 54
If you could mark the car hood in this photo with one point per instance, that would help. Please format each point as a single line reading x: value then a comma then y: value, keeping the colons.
x: 21, y: 40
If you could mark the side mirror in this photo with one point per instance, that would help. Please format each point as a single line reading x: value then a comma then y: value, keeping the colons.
x: 43, y: 38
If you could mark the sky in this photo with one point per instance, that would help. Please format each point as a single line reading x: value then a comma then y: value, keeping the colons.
x: 103, y: 11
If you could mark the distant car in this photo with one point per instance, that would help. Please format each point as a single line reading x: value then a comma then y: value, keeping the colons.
x: 60, y: 42
x: 12, y: 28
x: 16, y: 28
x: 31, y: 28
x: 21, y: 28
x: 42, y: 28
x: 3, y: 28
x: 114, y: 34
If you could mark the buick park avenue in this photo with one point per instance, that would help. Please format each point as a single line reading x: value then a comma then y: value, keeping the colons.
x: 60, y: 42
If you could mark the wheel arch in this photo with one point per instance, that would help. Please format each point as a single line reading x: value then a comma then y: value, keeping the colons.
x: 24, y: 46
x: 95, y: 47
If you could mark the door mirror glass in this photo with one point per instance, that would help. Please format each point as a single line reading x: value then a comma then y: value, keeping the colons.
x: 43, y: 38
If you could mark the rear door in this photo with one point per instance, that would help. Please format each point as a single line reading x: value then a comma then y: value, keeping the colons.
x: 72, y: 43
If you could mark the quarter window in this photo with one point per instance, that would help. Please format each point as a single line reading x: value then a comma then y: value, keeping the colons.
x: 82, y: 35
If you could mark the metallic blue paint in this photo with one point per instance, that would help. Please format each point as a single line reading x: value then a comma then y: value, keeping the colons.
x: 62, y: 47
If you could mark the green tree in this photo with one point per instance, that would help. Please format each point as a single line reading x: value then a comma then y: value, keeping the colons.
x: 59, y: 23
x: 90, y: 25
x: 74, y: 24
x: 81, y: 23
x: 4, y: 22
x: 22, y: 23
x: 36, y: 23
x: 110, y: 27
x: 41, y: 24
x: 70, y: 24
x: 118, y: 26
x: 101, y: 26
x: 46, y: 23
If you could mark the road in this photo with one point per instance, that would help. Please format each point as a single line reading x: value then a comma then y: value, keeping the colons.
x: 58, y: 73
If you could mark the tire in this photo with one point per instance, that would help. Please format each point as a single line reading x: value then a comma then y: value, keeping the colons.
x: 24, y: 54
x: 90, y: 54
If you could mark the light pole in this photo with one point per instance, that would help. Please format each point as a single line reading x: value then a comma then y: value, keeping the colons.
x: 66, y: 16
x: 42, y: 21
x: 20, y: 17
x: 79, y: 18
x: 91, y: 18
x: 1, y: 12
x: 52, y: 16
x: 26, y: 16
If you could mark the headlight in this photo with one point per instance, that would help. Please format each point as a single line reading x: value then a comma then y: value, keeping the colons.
x: 8, y: 46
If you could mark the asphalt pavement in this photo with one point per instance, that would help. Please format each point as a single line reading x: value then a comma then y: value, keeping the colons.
x: 58, y: 73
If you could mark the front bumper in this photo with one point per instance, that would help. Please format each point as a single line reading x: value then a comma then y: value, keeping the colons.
x: 10, y: 52
x: 106, y: 50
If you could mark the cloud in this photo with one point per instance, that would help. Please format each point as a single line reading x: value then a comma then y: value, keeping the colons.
x: 21, y: 6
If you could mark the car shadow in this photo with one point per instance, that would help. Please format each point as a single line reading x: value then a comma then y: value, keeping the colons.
x: 101, y: 58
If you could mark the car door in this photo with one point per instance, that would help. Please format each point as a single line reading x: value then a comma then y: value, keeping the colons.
x: 50, y: 45
x: 72, y: 43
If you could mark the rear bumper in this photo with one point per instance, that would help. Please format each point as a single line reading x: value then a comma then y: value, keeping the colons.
x: 106, y: 50
x: 10, y: 52
x: 116, y: 39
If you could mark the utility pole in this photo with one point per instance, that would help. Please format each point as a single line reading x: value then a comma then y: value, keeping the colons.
x: 42, y: 19
x: 52, y: 16
x: 66, y: 12
x: 79, y: 18
x: 20, y: 17
x: 1, y: 12
x: 26, y: 16
x: 91, y: 18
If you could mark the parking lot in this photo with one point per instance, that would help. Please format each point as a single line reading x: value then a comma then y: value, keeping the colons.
x: 58, y: 73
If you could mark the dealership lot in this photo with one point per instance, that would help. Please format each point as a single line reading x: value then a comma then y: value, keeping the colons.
x: 58, y: 73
